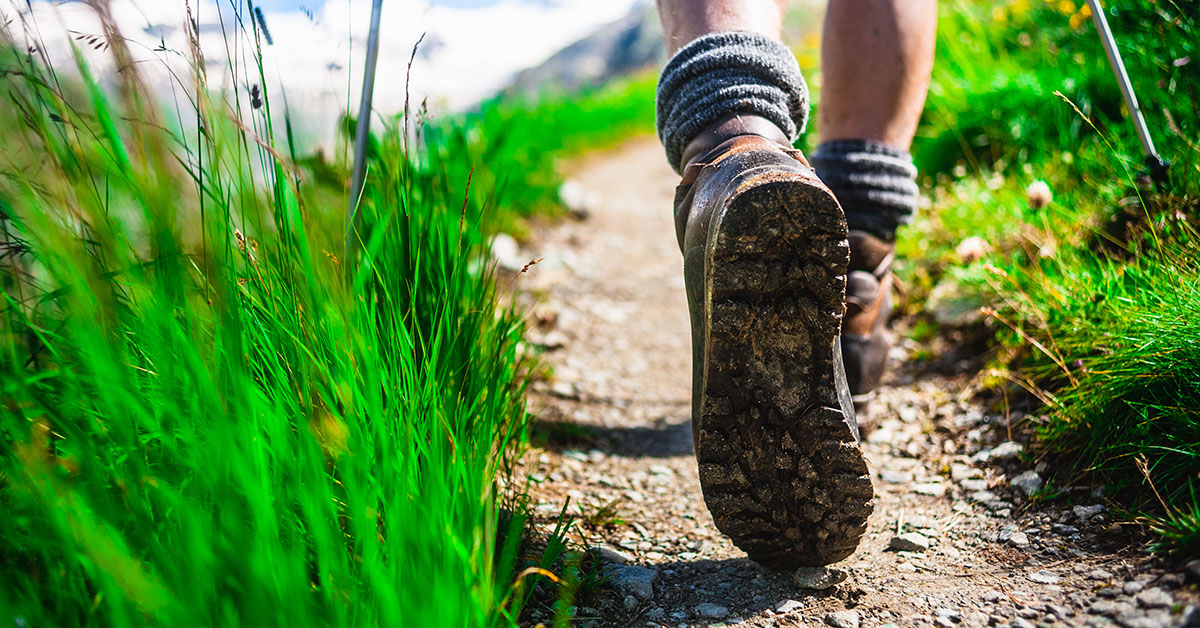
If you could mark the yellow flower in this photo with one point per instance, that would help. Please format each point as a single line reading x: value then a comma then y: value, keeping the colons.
x: 999, y: 15
x: 1066, y: 7
x: 1021, y: 7
x: 1081, y: 16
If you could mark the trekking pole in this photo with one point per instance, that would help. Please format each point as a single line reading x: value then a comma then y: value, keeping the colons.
x: 1155, y: 163
x: 363, y: 132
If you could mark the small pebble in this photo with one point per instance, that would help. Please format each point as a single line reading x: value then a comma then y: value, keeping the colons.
x: 933, y: 489
x: 909, y: 542
x: 788, y: 606
x: 1006, y: 451
x: 1154, y: 598
x: 1028, y: 483
x: 843, y: 619
x: 708, y: 610
x: 1044, y: 577
x: 819, y: 578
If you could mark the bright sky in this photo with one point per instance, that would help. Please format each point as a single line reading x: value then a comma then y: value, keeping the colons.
x: 471, y: 48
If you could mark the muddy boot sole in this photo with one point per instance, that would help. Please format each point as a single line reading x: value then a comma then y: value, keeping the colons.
x: 776, y: 442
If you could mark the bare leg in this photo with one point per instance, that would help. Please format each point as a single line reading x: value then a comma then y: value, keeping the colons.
x: 876, y: 56
x: 685, y: 20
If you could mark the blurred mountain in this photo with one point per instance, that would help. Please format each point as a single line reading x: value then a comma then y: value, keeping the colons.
x: 633, y: 43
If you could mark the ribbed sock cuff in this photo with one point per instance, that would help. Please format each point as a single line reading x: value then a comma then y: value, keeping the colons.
x: 726, y: 73
x: 875, y: 183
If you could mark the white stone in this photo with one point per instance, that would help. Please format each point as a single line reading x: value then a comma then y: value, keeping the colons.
x: 843, y: 619
x: 1006, y: 451
x: 1044, y: 577
x: 909, y: 542
x: 788, y: 606
x: 1028, y: 482
x: 933, y: 489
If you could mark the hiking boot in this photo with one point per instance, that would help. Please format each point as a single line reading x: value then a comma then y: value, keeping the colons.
x: 865, y: 340
x: 765, y: 261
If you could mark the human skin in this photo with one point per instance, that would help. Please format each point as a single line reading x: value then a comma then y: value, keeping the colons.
x: 876, y: 57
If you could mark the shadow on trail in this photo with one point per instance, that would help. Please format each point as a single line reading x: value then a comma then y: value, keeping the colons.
x: 669, y: 437
x: 743, y: 587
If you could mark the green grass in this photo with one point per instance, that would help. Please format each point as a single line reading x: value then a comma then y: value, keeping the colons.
x: 1094, y: 293
x: 206, y: 417
x: 517, y: 145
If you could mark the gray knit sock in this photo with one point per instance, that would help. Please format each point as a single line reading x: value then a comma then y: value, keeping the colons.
x: 726, y: 73
x: 875, y: 183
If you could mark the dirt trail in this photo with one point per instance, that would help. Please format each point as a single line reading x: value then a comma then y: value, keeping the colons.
x: 616, y: 440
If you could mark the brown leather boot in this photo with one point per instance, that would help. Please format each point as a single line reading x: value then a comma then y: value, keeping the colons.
x: 865, y: 339
x: 765, y: 262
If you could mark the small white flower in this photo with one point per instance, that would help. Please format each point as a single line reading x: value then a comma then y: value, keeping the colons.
x: 1038, y: 194
x: 972, y: 249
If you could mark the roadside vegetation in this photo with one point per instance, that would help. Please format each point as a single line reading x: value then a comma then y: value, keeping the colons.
x: 207, y: 417
x: 1087, y: 272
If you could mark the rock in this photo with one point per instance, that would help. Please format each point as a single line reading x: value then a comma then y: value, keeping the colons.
x: 933, y: 489
x: 507, y: 252
x: 843, y: 619
x: 1133, y: 587
x: 1150, y: 619
x: 960, y: 472
x: 1192, y: 569
x: 661, y: 470
x: 1154, y: 598
x: 1044, y: 577
x: 634, y: 580
x: 948, y: 613
x: 627, y: 45
x: 576, y: 199
x: 630, y: 602
x: 1100, y: 574
x: 789, y: 606
x: 974, y: 485
x: 1110, y: 608
x: 708, y: 610
x: 1087, y: 512
x: 818, y: 578
x: 1006, y: 451
x: 909, y: 542
x: 1063, y: 529
x: 1028, y: 482
x: 1018, y: 539
x: 656, y: 614
x: 1019, y: 622
x: 1059, y: 611
x: 565, y: 390
x: 609, y: 554
x: 895, y: 477
x: 984, y: 496
x: 550, y: 341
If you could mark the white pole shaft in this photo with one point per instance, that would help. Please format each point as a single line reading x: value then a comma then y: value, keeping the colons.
x: 1118, y: 68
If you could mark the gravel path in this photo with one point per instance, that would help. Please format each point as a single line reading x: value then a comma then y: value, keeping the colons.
x: 953, y: 541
